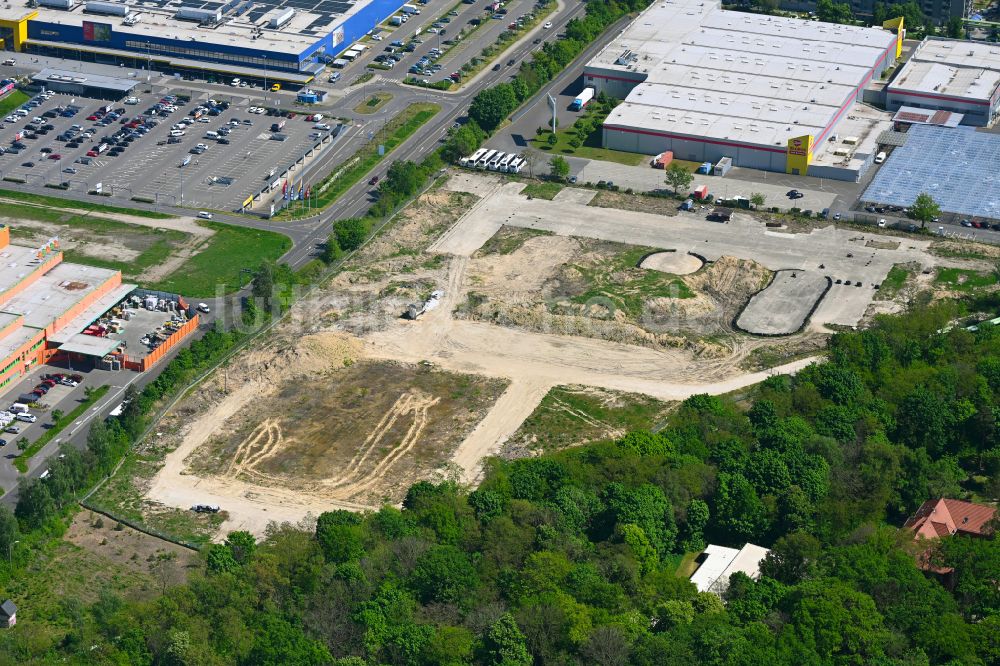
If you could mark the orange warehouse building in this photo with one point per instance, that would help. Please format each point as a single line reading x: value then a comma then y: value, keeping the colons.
x: 46, y: 303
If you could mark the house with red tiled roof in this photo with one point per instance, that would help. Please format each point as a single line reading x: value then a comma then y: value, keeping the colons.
x: 945, y: 517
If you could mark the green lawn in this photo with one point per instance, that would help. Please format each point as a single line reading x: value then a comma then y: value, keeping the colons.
x: 153, y: 245
x: 15, y: 99
x: 220, y: 263
x: 397, y: 130
x: 373, y: 103
x: 619, y: 283
x: 56, y: 202
x: 542, y: 190
x: 591, y: 149
x: 894, y: 281
x: 964, y: 280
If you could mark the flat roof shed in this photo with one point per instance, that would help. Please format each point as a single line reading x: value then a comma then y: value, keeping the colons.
x: 83, y: 83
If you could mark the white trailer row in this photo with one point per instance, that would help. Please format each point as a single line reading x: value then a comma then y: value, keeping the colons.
x: 494, y: 160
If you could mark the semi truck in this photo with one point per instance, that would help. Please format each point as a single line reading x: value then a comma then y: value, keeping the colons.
x: 583, y: 99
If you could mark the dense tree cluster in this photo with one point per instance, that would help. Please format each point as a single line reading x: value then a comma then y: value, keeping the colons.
x: 570, y: 558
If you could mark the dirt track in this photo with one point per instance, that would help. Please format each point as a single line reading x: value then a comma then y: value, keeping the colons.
x: 535, y: 362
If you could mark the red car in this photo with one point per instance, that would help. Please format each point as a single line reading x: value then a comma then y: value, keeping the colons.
x: 91, y: 117
x: 55, y: 156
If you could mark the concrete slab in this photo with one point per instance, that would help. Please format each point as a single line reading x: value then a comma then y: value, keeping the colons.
x: 675, y: 263
x: 783, y: 307
x: 575, y: 195
x: 843, y: 254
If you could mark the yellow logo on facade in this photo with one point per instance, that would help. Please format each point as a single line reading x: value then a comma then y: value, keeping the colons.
x: 799, y: 155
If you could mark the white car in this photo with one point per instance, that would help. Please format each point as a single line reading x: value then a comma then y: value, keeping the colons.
x: 27, y: 418
x: 203, y: 307
x: 548, y: 24
x: 881, y: 222
x: 205, y: 215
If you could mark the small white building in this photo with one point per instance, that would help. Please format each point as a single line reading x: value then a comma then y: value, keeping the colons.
x: 718, y: 563
x: 8, y: 614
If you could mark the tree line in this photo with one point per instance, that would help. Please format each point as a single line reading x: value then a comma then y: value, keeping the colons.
x: 572, y: 557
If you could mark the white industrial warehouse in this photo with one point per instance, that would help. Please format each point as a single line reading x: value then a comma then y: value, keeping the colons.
x: 770, y: 93
x: 950, y: 75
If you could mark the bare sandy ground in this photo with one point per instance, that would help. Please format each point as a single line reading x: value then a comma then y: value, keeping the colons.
x: 676, y: 263
x: 535, y: 362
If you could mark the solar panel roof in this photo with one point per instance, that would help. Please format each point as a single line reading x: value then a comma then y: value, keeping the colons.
x: 956, y: 166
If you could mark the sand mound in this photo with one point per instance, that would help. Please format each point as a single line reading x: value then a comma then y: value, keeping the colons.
x: 676, y: 263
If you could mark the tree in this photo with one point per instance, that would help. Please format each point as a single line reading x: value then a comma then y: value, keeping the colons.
x: 678, y: 177
x: 22, y: 443
x: 552, y: 139
x: 56, y: 415
x: 792, y: 558
x: 34, y: 505
x: 758, y: 199
x: 955, y: 27
x: 443, y: 574
x: 834, y: 12
x: 242, y: 544
x: 503, y: 644
x: 559, y: 167
x: 491, y: 106
x: 350, y: 233
x: 925, y: 209
x: 331, y: 250
x: 8, y: 530
x: 912, y: 15
x: 340, y: 536
x: 263, y: 283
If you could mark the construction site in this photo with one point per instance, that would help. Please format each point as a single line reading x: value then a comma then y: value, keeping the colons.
x: 547, y: 313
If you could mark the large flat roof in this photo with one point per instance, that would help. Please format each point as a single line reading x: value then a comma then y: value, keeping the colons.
x: 948, y: 67
x: 245, y: 23
x: 51, y: 76
x: 17, y: 263
x: 735, y: 76
x: 721, y: 562
x: 56, y: 292
x: 91, y: 313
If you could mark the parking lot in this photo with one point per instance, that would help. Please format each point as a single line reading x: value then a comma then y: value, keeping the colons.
x: 148, y: 154
x: 435, y: 50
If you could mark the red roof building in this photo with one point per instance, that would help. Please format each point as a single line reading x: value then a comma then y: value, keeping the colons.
x: 945, y: 517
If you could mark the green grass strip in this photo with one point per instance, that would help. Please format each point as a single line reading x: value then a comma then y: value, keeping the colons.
x: 56, y: 202
x: 220, y: 263
x: 398, y: 130
x: 15, y: 99
x: 21, y: 461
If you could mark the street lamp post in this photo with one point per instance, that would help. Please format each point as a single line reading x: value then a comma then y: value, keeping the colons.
x: 10, y: 547
x: 265, y: 80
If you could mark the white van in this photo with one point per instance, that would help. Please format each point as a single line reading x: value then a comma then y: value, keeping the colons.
x: 18, y: 408
x: 880, y: 157
x: 211, y: 135
x: 205, y: 215
x: 235, y: 83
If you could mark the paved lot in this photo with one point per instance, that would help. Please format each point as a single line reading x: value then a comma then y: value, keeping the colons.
x: 63, y: 398
x: 151, y: 167
x: 772, y: 186
x: 840, y: 254
x: 783, y: 307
